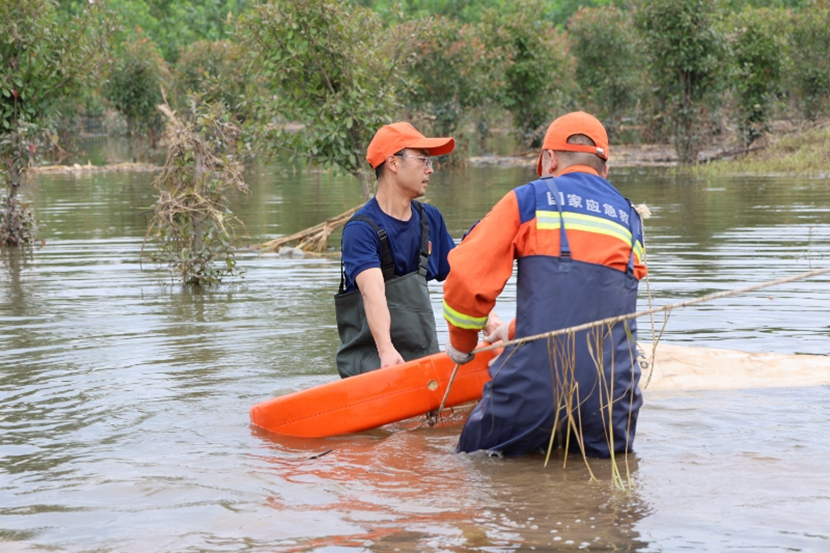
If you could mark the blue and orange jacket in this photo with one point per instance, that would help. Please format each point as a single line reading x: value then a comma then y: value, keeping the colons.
x: 598, y: 229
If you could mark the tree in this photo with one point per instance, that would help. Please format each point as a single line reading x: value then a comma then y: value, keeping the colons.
x: 135, y: 85
x: 216, y: 71
x: 809, y: 47
x: 539, y: 76
x: 170, y: 24
x: 685, y: 50
x: 609, y: 69
x: 757, y: 37
x: 43, y: 61
x: 453, y: 73
x: 331, y: 67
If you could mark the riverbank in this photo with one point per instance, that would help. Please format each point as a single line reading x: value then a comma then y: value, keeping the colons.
x: 791, y: 152
x: 801, y: 153
x: 89, y: 168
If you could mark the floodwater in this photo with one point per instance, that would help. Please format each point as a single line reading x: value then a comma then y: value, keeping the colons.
x: 124, y: 399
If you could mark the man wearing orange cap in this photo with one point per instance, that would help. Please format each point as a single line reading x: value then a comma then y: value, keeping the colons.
x: 578, y: 245
x: 391, y: 247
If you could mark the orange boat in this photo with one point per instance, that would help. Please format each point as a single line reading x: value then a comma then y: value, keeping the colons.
x: 375, y: 398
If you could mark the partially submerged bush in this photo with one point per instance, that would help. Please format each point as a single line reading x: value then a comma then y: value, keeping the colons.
x: 44, y: 62
x: 192, y: 223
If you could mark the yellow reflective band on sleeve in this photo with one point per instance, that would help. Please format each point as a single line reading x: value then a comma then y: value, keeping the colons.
x: 638, y: 251
x: 549, y: 220
x: 460, y: 320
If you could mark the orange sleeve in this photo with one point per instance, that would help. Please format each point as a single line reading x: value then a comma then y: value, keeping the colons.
x: 479, y: 268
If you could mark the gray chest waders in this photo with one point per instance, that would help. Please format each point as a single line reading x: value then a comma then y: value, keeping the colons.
x: 412, y: 326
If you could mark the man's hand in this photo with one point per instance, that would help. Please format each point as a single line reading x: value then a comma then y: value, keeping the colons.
x: 390, y: 357
x: 459, y: 357
x: 499, y: 334
x: 493, y: 322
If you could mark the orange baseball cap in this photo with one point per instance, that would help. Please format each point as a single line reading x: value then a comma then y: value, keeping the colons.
x: 391, y: 139
x: 577, y: 122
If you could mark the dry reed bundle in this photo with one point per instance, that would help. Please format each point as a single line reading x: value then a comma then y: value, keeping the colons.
x: 313, y: 238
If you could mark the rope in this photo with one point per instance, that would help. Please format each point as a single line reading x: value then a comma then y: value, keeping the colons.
x: 619, y: 318
x: 437, y: 414
x: 447, y: 392
x: 645, y: 213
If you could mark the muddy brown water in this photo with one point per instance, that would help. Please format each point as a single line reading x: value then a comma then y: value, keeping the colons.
x: 124, y: 399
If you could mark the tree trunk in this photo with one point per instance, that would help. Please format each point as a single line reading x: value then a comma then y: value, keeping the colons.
x: 365, y: 183
x: 197, y: 216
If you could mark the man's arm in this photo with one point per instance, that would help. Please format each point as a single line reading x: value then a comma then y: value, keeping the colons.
x: 373, y: 289
x: 479, y: 268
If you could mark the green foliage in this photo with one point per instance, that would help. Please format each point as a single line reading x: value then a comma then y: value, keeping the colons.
x: 171, y: 24
x: 610, y: 63
x: 473, y: 11
x: 192, y: 223
x: 216, y: 71
x: 539, y: 77
x: 758, y: 42
x: 331, y: 67
x: 464, y: 11
x: 135, y: 85
x: 43, y: 62
x: 685, y: 49
x: 453, y: 73
x: 810, y: 44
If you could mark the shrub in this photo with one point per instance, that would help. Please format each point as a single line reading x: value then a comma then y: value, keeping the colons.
x: 135, y: 86
x: 453, y: 73
x: 685, y: 50
x: 44, y: 62
x: 609, y: 70
x: 331, y: 67
x: 192, y: 222
x: 214, y: 70
x: 810, y: 51
x: 539, y: 75
x: 757, y: 41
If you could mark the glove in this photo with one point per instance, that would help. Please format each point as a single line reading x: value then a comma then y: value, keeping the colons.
x: 500, y: 334
x: 457, y: 356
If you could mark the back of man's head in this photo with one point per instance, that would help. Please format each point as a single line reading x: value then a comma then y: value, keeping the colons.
x: 574, y: 134
x: 567, y: 159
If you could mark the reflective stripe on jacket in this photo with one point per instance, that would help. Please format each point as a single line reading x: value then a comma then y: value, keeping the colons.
x: 598, y: 228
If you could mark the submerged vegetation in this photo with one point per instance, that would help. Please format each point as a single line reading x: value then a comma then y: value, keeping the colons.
x: 192, y: 225
x: 43, y: 59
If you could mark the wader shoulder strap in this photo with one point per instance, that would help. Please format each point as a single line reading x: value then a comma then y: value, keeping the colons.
x: 387, y: 264
x: 636, y: 224
x: 564, y: 245
x: 423, y: 254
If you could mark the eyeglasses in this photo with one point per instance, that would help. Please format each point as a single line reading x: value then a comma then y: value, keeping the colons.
x: 427, y: 160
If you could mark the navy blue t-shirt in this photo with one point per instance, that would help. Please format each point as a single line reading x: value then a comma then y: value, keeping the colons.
x: 361, y: 245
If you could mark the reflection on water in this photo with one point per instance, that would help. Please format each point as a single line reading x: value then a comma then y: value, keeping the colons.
x: 124, y: 399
